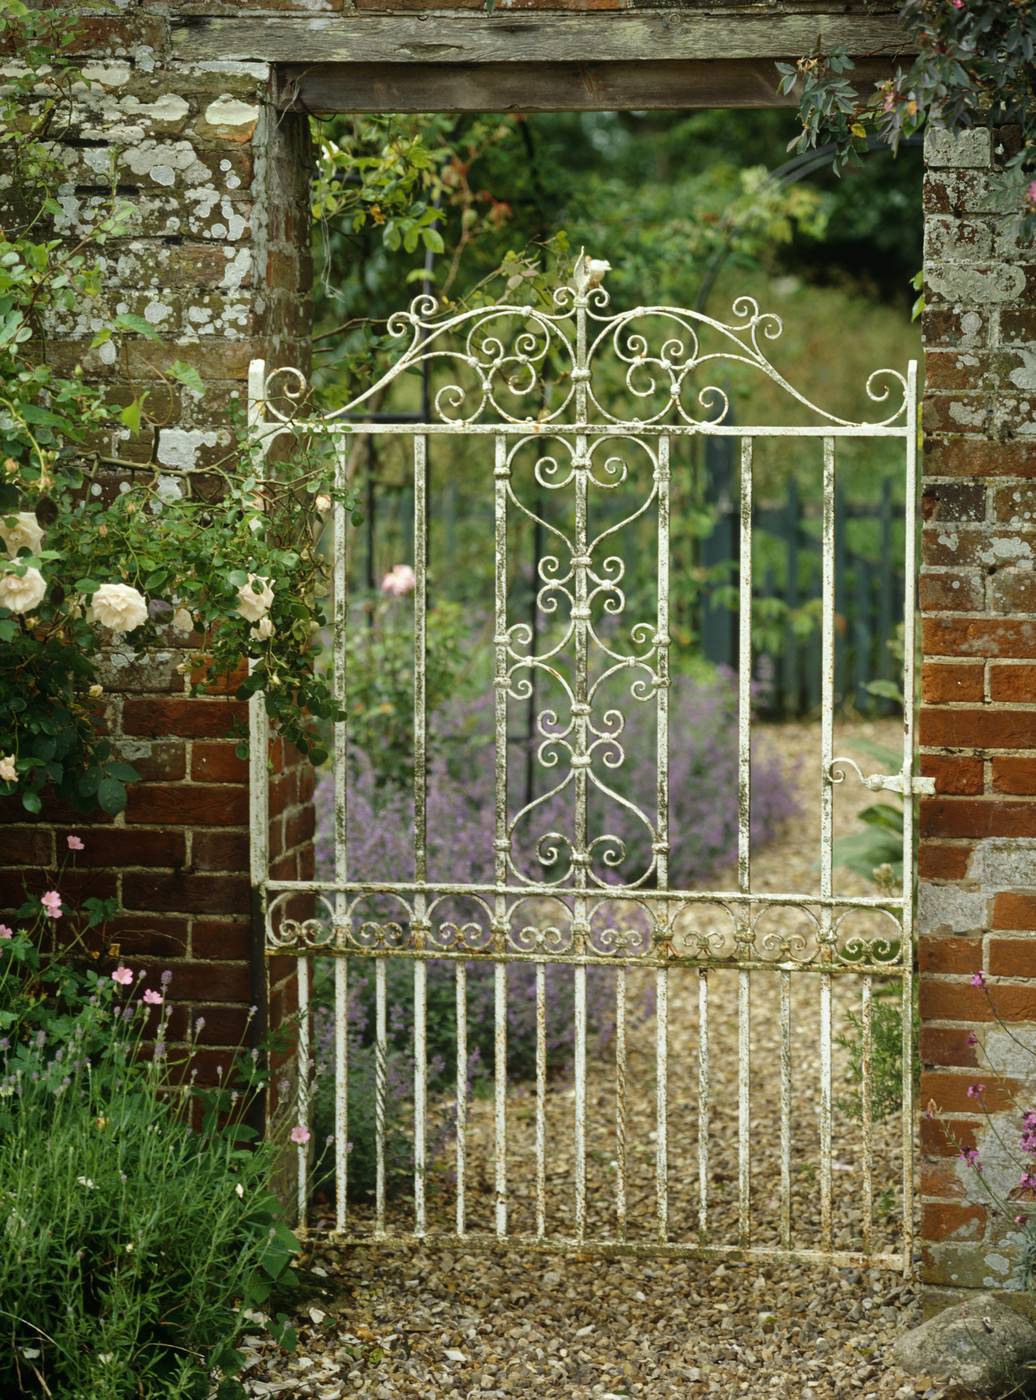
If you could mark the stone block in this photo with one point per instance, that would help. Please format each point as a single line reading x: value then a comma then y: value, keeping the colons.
x: 981, y: 1343
x: 972, y: 149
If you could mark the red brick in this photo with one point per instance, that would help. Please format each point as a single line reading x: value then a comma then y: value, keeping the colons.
x: 204, y: 981
x: 1018, y: 327
x: 187, y: 718
x: 224, y: 1025
x: 963, y: 816
x: 938, y: 860
x: 147, y: 935
x: 946, y: 1220
x: 27, y: 845
x: 984, y: 728
x: 1013, y: 957
x: 1017, y: 775
x: 943, y: 999
x: 953, y: 500
x: 300, y: 826
x: 960, y: 776
x: 1016, y: 683
x: 1015, y: 503
x: 1001, y: 637
x: 947, y: 1045
x: 129, y: 846
x: 1012, y: 591
x: 217, y: 763
x: 188, y: 804
x: 187, y: 894
x: 948, y: 1090
x: 165, y: 763
x: 951, y: 590
x: 221, y: 938
x: 220, y: 850
x: 1014, y: 910
x: 948, y: 681
x: 940, y: 1138
x: 941, y: 1180
x: 941, y: 954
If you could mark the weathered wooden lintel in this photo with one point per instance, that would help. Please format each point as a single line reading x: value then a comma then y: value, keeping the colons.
x: 540, y: 87
x: 637, y: 36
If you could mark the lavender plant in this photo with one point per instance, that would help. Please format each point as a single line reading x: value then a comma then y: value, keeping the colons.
x: 460, y: 821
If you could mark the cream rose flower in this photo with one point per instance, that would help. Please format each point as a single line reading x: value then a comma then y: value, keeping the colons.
x: 22, y: 592
x: 263, y: 630
x: 25, y: 533
x: 118, y: 606
x: 323, y: 504
x: 182, y: 621
x: 255, y: 598
x: 8, y: 771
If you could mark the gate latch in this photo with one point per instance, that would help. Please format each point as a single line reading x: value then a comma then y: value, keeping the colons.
x: 882, y: 782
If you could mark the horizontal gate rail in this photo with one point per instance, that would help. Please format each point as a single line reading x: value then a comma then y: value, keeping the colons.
x: 695, y: 946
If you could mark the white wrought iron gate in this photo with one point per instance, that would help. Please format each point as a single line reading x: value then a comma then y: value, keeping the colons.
x: 567, y: 898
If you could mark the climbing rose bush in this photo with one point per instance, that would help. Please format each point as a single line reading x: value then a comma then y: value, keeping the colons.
x: 103, y: 548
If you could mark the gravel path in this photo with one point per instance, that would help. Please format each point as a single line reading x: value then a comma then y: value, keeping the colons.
x: 442, y: 1322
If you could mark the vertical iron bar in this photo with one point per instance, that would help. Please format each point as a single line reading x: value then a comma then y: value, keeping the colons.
x: 462, y: 1086
x: 744, y: 843
x: 340, y: 546
x: 579, y: 999
x: 420, y: 917
x: 380, y: 1067
x: 501, y: 683
x: 541, y: 1100
x: 785, y: 1059
x: 866, y: 1112
x: 830, y: 538
x: 258, y: 787
x: 907, y: 1004
x: 703, y: 1104
x: 620, y: 1103
x: 500, y: 1086
x: 661, y: 1103
x: 302, y: 1089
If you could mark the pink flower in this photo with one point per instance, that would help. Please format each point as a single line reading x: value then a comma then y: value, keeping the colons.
x: 957, y: 4
x: 976, y: 1090
x: 978, y: 979
x: 153, y: 998
x: 6, y: 932
x: 299, y: 1134
x: 51, y: 902
x: 399, y: 581
x: 1030, y: 193
x: 123, y: 976
x: 970, y: 1156
x: 75, y: 843
x: 1019, y: 1219
x: 972, y: 1038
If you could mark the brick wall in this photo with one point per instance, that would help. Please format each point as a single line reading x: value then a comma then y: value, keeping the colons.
x: 977, y: 726
x: 217, y: 259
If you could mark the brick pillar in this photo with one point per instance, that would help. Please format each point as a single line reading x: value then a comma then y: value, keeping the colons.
x: 977, y: 861
x: 217, y: 259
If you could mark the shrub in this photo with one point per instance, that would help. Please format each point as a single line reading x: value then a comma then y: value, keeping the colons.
x: 886, y: 1054
x: 134, y: 1244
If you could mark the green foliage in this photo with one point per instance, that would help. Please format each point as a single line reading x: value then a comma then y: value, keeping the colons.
x: 135, y: 1247
x: 886, y: 1057
x: 177, y: 547
x: 974, y: 66
x: 380, y: 667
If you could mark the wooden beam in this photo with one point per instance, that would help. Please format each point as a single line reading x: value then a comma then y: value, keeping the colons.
x: 538, y: 37
x: 541, y: 87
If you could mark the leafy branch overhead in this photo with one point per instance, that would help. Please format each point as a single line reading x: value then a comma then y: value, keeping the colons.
x: 974, y: 67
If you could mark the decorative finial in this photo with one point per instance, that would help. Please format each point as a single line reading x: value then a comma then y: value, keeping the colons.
x: 588, y: 272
